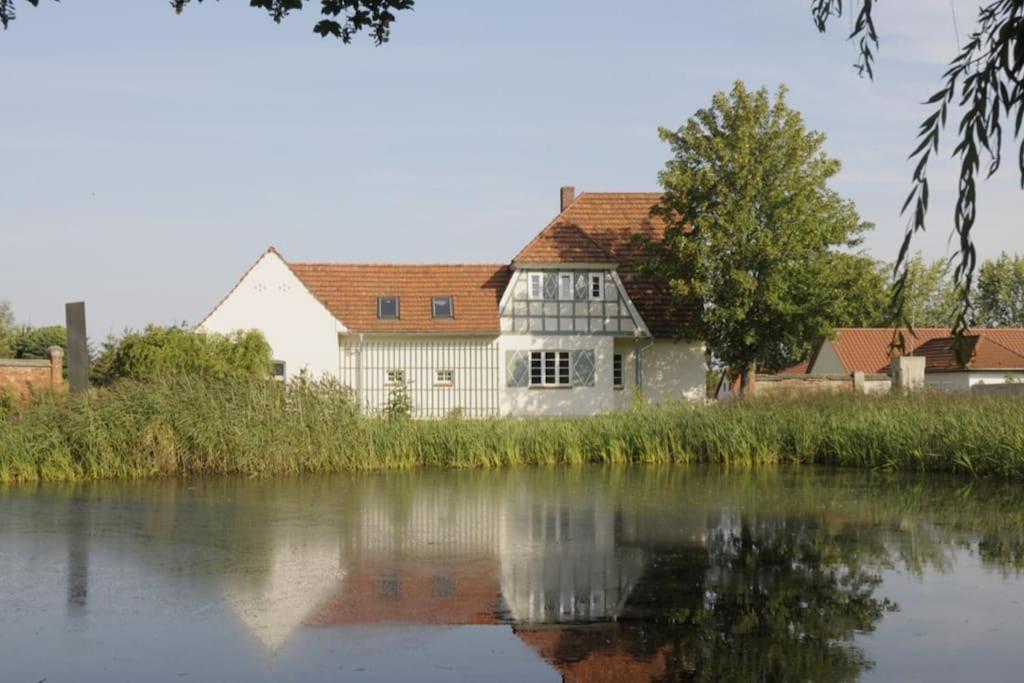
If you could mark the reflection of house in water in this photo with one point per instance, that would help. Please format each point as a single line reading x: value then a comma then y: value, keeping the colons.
x: 558, y: 569
x: 302, y: 574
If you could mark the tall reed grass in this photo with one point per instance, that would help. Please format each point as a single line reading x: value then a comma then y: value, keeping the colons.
x: 185, y: 427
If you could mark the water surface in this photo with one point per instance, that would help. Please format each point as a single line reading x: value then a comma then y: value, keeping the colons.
x: 586, y: 574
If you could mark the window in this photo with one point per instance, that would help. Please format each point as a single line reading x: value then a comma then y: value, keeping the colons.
x: 387, y: 307
x: 278, y: 372
x: 565, y: 288
x: 394, y: 376
x: 617, y: 370
x: 442, y: 307
x: 445, y: 377
x: 549, y: 368
x: 596, y: 286
x: 536, y: 286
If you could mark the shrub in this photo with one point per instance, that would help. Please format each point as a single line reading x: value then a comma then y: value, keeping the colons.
x: 169, y: 351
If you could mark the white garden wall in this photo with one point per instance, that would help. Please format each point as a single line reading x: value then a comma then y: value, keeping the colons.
x: 269, y: 298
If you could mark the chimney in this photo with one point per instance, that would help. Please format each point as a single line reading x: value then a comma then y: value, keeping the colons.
x: 568, y: 196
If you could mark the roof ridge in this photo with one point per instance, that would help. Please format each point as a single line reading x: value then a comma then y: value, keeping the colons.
x: 378, y: 264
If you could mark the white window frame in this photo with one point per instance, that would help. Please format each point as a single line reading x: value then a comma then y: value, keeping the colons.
x: 618, y: 368
x: 569, y: 293
x: 444, y: 377
x: 555, y: 368
x: 597, y: 278
x: 535, y: 279
x: 284, y: 370
x: 394, y: 377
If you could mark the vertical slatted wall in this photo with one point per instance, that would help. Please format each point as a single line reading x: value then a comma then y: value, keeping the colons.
x: 474, y: 364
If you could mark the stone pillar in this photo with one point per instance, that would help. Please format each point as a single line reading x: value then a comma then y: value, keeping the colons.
x: 858, y: 383
x: 56, y: 368
x: 908, y: 373
x: 78, y: 349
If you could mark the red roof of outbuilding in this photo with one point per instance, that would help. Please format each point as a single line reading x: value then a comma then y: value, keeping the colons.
x: 867, y: 349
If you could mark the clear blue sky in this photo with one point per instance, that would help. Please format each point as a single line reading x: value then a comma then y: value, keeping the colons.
x: 147, y: 159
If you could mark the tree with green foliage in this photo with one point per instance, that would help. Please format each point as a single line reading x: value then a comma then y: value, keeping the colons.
x: 176, y: 350
x: 986, y: 81
x: 1000, y: 296
x: 35, y: 342
x: 929, y: 296
x: 342, y: 19
x: 754, y: 232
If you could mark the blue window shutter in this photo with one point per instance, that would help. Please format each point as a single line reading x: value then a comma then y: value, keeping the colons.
x: 583, y: 368
x: 517, y: 368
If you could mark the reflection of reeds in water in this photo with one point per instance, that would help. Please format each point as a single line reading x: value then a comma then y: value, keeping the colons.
x: 182, y: 427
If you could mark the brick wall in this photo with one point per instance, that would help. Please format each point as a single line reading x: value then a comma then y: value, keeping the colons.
x: 21, y: 376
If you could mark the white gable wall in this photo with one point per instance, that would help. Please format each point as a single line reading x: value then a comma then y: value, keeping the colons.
x: 269, y: 298
x: 827, y: 362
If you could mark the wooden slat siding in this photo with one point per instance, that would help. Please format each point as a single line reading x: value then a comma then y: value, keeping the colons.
x: 476, y: 376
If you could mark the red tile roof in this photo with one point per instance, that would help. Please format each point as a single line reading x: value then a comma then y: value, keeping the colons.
x: 982, y: 351
x: 563, y: 243
x: 612, y: 220
x: 350, y: 293
x: 867, y: 349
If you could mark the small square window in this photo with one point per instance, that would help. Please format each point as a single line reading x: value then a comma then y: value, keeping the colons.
x: 565, y: 287
x: 278, y: 370
x: 596, y: 286
x: 394, y: 376
x: 387, y: 307
x: 549, y: 368
x: 442, y: 307
x: 445, y: 377
x: 536, y: 286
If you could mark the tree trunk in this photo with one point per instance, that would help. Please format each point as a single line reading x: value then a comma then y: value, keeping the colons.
x: 747, y: 378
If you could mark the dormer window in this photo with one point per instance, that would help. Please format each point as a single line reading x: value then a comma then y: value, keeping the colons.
x: 442, y: 307
x: 387, y: 308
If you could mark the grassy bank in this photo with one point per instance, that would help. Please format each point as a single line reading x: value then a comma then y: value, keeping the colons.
x: 179, y: 427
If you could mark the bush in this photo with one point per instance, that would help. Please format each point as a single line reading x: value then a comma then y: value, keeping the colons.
x: 170, y: 351
x: 35, y: 342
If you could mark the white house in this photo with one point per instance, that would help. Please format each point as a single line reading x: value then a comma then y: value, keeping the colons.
x: 570, y: 327
x: 990, y: 355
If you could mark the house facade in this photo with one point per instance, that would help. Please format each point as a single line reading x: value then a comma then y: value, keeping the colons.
x: 571, y: 326
x: 991, y: 356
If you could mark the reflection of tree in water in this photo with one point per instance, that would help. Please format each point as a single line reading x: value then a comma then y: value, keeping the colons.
x: 765, y: 599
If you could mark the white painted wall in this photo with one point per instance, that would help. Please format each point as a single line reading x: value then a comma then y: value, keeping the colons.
x: 673, y: 371
x: 963, y: 381
x: 530, y: 401
x: 269, y: 298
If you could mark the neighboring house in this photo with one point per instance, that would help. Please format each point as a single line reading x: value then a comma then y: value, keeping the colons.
x: 570, y: 327
x: 993, y: 356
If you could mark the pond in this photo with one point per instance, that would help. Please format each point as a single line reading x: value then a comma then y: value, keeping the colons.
x: 577, y: 574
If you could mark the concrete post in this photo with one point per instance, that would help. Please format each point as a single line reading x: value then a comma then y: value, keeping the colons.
x: 858, y: 383
x: 56, y: 368
x: 78, y: 349
x: 908, y: 373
